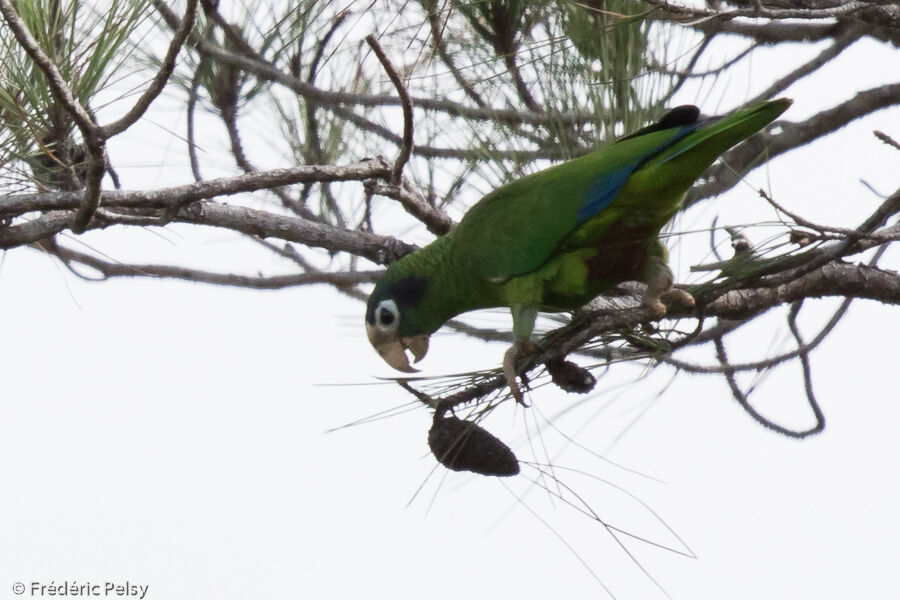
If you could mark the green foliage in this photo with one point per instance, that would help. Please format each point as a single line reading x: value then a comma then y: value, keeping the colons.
x: 614, y: 37
x: 555, y: 57
x: 88, y: 47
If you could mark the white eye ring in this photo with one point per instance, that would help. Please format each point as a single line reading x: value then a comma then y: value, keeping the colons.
x: 387, y: 316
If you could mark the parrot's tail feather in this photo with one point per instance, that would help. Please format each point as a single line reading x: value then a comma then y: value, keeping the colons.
x: 679, y: 164
x: 715, y: 137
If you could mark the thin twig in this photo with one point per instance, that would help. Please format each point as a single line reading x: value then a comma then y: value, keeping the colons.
x: 886, y: 139
x: 107, y: 269
x: 406, y: 148
x: 739, y: 160
x: 159, y: 80
x: 799, y: 220
x: 807, y: 372
x: 436, y: 220
x: 841, y: 43
x: 191, y: 113
x: 267, y: 72
x: 440, y: 47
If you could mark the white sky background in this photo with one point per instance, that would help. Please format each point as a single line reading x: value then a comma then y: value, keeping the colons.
x: 172, y: 434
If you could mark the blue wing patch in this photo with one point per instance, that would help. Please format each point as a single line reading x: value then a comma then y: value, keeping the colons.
x: 603, y: 190
x: 606, y: 187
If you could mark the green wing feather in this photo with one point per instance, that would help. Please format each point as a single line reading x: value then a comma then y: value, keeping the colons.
x: 518, y: 227
x: 681, y: 163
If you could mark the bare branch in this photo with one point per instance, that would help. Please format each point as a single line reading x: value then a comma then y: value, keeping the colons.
x: 191, y: 111
x: 807, y: 373
x: 159, y: 80
x: 841, y: 43
x: 772, y: 32
x: 379, y: 249
x: 887, y: 139
x: 676, y: 11
x: 106, y: 269
x: 738, y: 161
x: 437, y: 38
x: 726, y: 326
x: 406, y: 103
x: 202, y: 190
x: 833, y: 279
x: 268, y: 72
x: 742, y: 397
x: 836, y: 279
x: 22, y: 234
x: 415, y: 204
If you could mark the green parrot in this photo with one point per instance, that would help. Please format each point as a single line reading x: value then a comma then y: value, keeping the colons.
x: 556, y: 239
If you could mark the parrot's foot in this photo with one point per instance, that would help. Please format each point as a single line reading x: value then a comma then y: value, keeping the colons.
x: 654, y: 304
x: 672, y: 297
x: 678, y: 298
x: 511, y: 366
x: 660, y: 294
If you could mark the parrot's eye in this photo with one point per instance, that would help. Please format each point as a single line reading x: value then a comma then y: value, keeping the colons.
x: 387, y: 316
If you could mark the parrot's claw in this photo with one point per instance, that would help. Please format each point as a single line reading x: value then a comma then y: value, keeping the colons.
x: 511, y: 367
x: 678, y: 298
x: 671, y: 297
x: 656, y: 305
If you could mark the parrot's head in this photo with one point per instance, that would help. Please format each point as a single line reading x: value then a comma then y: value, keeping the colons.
x: 394, y: 320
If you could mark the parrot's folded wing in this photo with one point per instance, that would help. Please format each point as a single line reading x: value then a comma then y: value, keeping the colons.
x: 517, y: 227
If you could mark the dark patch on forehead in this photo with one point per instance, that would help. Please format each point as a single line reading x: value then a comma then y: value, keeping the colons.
x: 409, y: 290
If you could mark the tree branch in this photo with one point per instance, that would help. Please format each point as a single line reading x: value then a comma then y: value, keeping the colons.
x: 108, y: 270
x: 836, y: 279
x: 841, y: 43
x: 406, y: 103
x: 373, y: 168
x: 268, y: 72
x: 376, y: 248
x: 159, y: 80
x: 94, y: 141
x: 738, y: 161
x: 58, y: 86
x: 437, y: 221
x: 672, y: 11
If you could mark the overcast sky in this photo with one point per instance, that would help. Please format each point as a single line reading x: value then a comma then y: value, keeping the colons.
x: 174, y: 435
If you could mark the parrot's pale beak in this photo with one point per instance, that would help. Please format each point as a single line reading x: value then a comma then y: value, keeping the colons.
x: 392, y: 348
